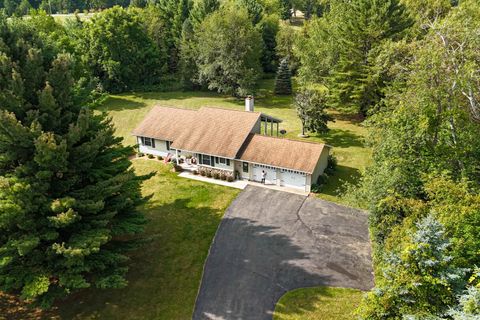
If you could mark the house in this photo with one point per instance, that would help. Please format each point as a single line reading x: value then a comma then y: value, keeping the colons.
x: 240, y: 143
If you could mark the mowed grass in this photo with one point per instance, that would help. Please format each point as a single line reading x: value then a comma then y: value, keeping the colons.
x: 346, y: 134
x: 164, y: 274
x: 321, y: 303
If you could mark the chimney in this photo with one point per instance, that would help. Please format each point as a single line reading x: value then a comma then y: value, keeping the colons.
x: 249, y: 103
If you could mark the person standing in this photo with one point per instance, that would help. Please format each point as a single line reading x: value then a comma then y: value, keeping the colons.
x: 264, y: 175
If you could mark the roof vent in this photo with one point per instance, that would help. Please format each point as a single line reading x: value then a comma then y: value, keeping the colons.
x: 249, y: 103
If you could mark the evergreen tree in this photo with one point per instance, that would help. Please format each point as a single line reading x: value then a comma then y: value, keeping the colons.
x: 68, y: 196
x: 286, y: 9
x: 283, y: 82
x: 363, y: 25
x: 201, y: 9
x: 173, y: 14
x: 269, y: 27
x: 420, y: 280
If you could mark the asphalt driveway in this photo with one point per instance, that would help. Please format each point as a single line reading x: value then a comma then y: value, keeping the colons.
x: 270, y: 242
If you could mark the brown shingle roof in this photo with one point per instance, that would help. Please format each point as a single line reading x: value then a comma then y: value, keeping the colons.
x: 213, y: 131
x: 165, y: 123
x: 283, y: 153
x: 217, y: 131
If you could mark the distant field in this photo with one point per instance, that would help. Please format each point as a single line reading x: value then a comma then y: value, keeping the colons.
x: 346, y: 134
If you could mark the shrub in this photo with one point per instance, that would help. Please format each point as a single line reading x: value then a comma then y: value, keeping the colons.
x: 150, y: 156
x: 202, y: 172
x: 209, y: 174
x: 230, y: 179
x: 140, y: 154
x: 332, y: 164
x: 315, y: 188
x: 322, y: 180
x: 216, y: 175
x: 160, y: 158
x: 223, y: 176
x: 195, y: 172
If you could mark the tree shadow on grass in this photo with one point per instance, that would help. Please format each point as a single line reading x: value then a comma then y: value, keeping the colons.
x: 164, y: 274
x: 343, y: 138
x: 342, y: 178
x: 117, y: 103
x: 12, y: 308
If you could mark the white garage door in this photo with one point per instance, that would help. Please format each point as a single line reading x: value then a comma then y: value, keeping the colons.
x: 293, y: 179
x: 270, y: 178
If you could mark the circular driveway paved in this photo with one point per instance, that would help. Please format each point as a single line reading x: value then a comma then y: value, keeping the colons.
x: 270, y: 242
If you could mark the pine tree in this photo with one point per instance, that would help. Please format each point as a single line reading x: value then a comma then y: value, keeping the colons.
x: 283, y: 82
x: 68, y: 196
x: 362, y: 26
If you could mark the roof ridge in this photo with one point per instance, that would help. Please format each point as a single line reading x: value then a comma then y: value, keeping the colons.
x: 228, y: 109
x: 173, y: 107
x: 289, y: 139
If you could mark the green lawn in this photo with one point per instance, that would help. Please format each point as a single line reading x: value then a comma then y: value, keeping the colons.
x: 165, y: 274
x: 346, y: 134
x: 184, y: 214
x: 321, y: 303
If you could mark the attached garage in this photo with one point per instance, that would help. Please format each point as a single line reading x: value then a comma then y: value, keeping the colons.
x: 270, y: 178
x: 293, y: 179
x: 288, y: 163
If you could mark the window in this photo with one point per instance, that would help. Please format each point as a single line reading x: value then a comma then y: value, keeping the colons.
x: 228, y: 162
x: 149, y: 142
x: 167, y: 144
x: 245, y: 167
x: 222, y: 160
x: 205, y: 160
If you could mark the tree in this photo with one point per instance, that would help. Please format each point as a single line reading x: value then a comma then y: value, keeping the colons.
x: 254, y: 8
x: 283, y: 82
x: 269, y: 27
x: 118, y: 50
x: 68, y: 197
x: 286, y: 9
x: 362, y: 26
x: 419, y: 280
x: 229, y: 51
x: 173, y: 13
x: 201, y: 9
x: 310, y: 105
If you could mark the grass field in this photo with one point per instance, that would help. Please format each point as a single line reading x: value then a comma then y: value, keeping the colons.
x: 346, y: 134
x: 184, y: 214
x: 165, y: 274
x: 321, y: 303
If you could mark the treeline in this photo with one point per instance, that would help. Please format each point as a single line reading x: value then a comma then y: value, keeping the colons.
x: 69, y: 199
x: 413, y: 68
x: 285, y: 8
x: 225, y: 46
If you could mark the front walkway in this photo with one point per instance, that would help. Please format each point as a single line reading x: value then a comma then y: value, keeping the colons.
x: 240, y: 184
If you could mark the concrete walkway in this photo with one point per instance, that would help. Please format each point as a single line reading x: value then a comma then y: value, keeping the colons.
x: 270, y: 242
x: 240, y: 184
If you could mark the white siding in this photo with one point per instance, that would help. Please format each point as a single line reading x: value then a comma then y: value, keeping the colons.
x: 321, y: 165
x: 159, y: 150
